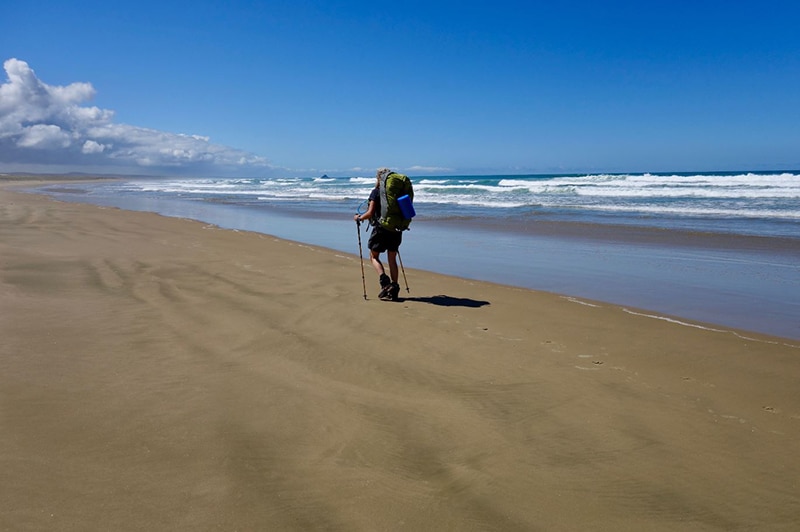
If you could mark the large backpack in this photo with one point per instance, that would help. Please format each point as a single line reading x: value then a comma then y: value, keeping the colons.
x: 392, y: 187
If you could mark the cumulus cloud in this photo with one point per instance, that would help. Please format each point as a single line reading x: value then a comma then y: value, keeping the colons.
x: 43, y: 136
x: 91, y: 146
x: 51, y: 125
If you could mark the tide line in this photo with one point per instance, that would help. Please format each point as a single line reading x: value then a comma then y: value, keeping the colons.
x: 697, y: 326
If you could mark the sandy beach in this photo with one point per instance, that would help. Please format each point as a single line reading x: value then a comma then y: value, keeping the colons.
x: 165, y: 374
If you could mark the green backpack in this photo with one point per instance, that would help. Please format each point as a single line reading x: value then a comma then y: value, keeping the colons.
x: 393, y: 187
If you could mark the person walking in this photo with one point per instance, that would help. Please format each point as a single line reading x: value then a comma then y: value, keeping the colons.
x: 382, y: 240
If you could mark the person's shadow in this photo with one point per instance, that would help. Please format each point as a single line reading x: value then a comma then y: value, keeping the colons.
x: 448, y: 301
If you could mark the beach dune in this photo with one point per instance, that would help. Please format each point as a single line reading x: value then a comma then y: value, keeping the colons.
x: 164, y: 374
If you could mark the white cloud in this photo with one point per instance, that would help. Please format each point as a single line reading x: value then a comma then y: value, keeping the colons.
x: 45, y: 124
x: 91, y: 146
x: 43, y: 136
x: 429, y: 169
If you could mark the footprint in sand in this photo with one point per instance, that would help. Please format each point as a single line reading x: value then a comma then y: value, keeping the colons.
x: 595, y: 363
x: 554, y: 347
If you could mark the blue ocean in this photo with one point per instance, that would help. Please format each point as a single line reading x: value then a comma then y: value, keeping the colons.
x: 766, y: 204
x: 719, y: 247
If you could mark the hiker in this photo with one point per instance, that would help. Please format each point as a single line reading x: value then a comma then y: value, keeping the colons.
x: 383, y: 239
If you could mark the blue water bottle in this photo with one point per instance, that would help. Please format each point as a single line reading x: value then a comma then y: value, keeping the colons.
x: 406, y: 207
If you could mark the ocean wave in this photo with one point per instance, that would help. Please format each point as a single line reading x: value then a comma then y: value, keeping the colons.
x: 744, y: 195
x: 699, y: 212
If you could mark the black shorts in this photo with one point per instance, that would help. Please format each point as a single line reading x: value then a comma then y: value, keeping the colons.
x: 382, y: 240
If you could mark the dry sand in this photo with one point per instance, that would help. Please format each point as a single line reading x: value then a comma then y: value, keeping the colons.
x: 164, y: 374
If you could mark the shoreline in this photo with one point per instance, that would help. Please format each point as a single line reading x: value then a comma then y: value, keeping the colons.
x: 581, y: 230
x: 734, y: 281
x: 163, y: 373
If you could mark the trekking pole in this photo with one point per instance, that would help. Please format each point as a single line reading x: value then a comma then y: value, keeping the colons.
x: 361, y: 256
x: 404, y: 271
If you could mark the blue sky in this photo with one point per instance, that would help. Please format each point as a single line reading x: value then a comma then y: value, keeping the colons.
x: 308, y: 87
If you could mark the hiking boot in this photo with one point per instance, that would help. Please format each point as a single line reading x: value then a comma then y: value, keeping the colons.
x: 386, y: 293
x: 394, y: 291
x: 386, y: 287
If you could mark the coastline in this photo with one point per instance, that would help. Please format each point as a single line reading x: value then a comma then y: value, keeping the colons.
x: 743, y: 282
x: 165, y: 373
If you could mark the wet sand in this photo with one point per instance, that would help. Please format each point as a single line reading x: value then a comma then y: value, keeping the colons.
x: 734, y: 280
x: 165, y: 374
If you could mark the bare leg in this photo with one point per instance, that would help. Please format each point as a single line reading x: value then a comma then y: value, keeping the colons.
x: 375, y: 258
x: 391, y: 256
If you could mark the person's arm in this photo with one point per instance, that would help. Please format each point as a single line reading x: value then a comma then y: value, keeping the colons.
x: 368, y: 214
